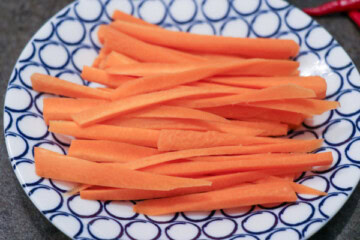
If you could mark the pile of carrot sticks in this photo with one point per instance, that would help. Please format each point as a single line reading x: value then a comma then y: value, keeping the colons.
x: 185, y: 122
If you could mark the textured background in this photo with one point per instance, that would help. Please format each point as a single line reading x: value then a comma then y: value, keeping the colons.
x: 19, y: 219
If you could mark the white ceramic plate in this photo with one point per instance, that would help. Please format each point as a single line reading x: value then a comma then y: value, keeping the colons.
x: 68, y: 41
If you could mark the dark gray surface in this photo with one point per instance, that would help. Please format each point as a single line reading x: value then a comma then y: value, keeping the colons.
x: 19, y: 219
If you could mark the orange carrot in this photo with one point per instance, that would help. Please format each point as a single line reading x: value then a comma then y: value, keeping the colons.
x: 295, y: 147
x: 108, y: 151
x: 240, y: 128
x: 218, y: 182
x: 245, y: 47
x: 104, y: 51
x: 318, y: 84
x: 250, y: 112
x: 229, y: 89
x: 220, y: 57
x: 174, y: 140
x: 126, y: 105
x: 100, y: 76
x: 185, y: 169
x: 142, y: 137
x: 77, y: 189
x: 298, y: 188
x: 247, y: 156
x: 56, y: 166
x: 289, y: 91
x: 305, y: 106
x: 171, y: 78
x: 63, y: 108
x: 115, y: 59
x: 147, y: 69
x: 142, y: 51
x: 119, y: 15
x: 165, y: 111
x: 238, y: 196
x: 45, y: 83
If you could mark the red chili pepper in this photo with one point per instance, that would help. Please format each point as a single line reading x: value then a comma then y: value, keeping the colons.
x: 355, y: 16
x: 333, y: 7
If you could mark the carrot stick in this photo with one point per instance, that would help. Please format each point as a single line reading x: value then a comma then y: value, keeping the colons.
x: 165, y: 111
x: 289, y: 91
x: 77, y: 189
x: 137, y: 136
x: 220, y: 57
x: 238, y: 196
x: 141, y: 51
x: 171, y: 78
x: 100, y: 76
x: 56, y: 166
x: 104, y: 51
x: 175, y: 140
x: 218, y: 182
x: 108, y: 151
x: 246, y: 156
x: 304, y: 106
x: 229, y: 89
x: 45, y: 83
x: 119, y: 15
x: 115, y: 59
x: 295, y: 147
x: 241, y: 112
x: 318, y: 84
x: 147, y: 69
x: 127, y: 105
x: 246, y: 129
x: 63, y: 108
x: 245, y: 47
x: 298, y: 188
x: 195, y: 168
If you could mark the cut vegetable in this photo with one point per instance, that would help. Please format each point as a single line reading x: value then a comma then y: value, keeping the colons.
x: 56, y: 166
x: 245, y: 47
x: 45, y: 83
x: 142, y: 51
x: 218, y: 182
x: 119, y: 15
x: 175, y: 140
x: 239, y: 196
x: 115, y: 59
x: 317, y: 84
x: 288, y: 91
x: 138, y: 136
x: 122, y: 106
x: 100, y: 76
x: 186, y: 169
x: 295, y: 147
x: 108, y: 151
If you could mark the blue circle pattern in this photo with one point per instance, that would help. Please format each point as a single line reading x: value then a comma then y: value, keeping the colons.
x: 166, y: 18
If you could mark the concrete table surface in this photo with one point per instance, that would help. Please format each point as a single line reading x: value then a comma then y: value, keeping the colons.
x: 19, y: 219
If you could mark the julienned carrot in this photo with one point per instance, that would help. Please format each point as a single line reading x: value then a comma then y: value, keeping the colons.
x: 108, y: 151
x: 175, y: 140
x: 186, y: 169
x: 77, y: 189
x: 244, y: 47
x: 140, y: 50
x: 165, y: 111
x: 117, y: 59
x: 295, y: 147
x: 239, y: 128
x: 304, y: 106
x: 229, y: 89
x: 218, y: 182
x: 220, y: 57
x: 245, y: 157
x: 318, y: 84
x: 119, y: 15
x: 173, y: 78
x: 142, y: 137
x: 250, y: 112
x: 104, y: 51
x: 298, y: 188
x: 126, y: 105
x: 56, y: 166
x: 100, y: 76
x: 45, y: 83
x: 238, y: 196
x: 62, y: 108
x: 288, y: 91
